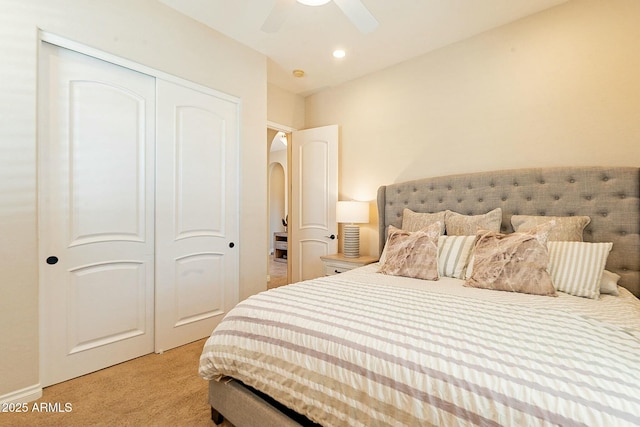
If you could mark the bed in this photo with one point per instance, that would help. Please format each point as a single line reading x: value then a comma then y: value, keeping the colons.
x: 366, y: 348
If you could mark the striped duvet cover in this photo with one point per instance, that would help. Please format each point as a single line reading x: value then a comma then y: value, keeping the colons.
x: 365, y: 349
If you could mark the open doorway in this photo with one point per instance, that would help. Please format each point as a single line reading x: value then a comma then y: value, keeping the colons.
x: 278, y: 202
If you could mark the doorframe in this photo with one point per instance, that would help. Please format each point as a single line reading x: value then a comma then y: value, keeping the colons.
x: 35, y: 392
x: 279, y: 127
x: 289, y: 131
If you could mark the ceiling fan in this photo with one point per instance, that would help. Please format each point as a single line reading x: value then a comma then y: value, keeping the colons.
x: 357, y: 13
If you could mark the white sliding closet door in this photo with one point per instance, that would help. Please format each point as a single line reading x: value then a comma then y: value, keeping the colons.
x: 96, y: 213
x: 138, y: 212
x: 197, y: 212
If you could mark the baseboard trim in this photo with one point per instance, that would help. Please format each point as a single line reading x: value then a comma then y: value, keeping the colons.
x: 24, y: 395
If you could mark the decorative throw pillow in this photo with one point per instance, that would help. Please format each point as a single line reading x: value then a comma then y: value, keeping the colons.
x: 609, y: 283
x: 412, y: 254
x: 468, y: 225
x: 568, y: 228
x: 414, y: 221
x: 515, y: 262
x: 453, y: 255
x: 576, y: 267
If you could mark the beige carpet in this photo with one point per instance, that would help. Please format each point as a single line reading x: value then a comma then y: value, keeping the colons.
x: 153, y: 390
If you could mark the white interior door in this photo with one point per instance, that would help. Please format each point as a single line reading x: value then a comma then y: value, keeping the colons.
x: 314, y: 192
x: 96, y: 203
x: 196, y: 212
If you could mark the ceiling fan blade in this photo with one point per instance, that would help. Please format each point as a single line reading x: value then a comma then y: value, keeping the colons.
x: 358, y: 14
x: 277, y: 16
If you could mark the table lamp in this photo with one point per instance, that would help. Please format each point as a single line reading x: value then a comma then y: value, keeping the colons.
x: 351, y: 213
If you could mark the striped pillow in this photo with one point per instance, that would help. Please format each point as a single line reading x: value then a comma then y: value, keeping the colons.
x: 453, y: 255
x: 576, y: 267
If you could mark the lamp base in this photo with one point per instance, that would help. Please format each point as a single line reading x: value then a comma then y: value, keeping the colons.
x: 351, y: 241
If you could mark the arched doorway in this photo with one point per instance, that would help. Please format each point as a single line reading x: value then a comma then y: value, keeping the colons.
x: 277, y: 208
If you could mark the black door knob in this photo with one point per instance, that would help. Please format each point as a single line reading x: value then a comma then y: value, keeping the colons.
x: 52, y: 260
x: 231, y: 245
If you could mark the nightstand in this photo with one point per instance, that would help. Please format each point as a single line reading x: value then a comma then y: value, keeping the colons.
x: 338, y: 263
x: 280, y: 246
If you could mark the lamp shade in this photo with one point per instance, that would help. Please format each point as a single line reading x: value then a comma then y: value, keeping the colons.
x: 352, y: 212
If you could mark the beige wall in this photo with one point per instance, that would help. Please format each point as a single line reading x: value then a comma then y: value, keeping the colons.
x: 148, y: 33
x: 285, y: 108
x: 559, y: 88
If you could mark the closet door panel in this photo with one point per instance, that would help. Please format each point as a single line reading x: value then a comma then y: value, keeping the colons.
x: 102, y: 137
x: 196, y: 212
x: 199, y: 144
x: 200, y: 287
x: 96, y: 213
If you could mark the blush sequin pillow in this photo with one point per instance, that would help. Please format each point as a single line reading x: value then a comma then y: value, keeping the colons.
x: 412, y: 254
x: 515, y: 262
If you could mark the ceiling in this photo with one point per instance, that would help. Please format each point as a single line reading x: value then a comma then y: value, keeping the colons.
x: 309, y: 35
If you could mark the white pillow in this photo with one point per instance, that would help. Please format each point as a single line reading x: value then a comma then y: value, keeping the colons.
x: 609, y: 283
x: 576, y: 267
x: 453, y: 255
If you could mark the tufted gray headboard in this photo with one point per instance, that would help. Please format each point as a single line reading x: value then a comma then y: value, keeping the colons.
x: 609, y: 195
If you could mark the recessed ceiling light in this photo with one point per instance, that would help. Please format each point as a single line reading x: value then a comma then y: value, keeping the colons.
x: 313, y: 2
x: 339, y: 53
x: 298, y: 73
